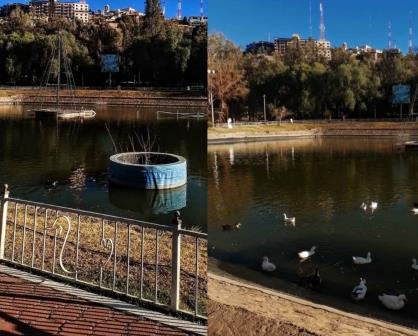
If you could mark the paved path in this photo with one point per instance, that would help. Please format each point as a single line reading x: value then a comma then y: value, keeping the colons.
x: 32, y: 308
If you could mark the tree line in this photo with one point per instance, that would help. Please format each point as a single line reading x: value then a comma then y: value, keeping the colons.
x: 150, y: 49
x: 303, y: 85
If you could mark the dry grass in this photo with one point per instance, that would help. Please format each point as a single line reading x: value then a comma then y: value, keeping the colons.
x: 124, y: 93
x: 95, y: 253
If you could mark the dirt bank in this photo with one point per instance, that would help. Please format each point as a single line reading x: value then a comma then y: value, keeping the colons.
x: 240, y: 307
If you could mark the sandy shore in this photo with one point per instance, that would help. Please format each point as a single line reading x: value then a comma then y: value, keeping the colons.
x: 241, y: 307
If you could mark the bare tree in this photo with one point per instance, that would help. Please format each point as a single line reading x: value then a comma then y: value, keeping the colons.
x: 227, y: 79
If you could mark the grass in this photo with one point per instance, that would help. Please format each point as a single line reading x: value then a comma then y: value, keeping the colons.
x: 94, y: 254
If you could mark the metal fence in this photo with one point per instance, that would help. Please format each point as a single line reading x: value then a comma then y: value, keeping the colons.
x: 161, y: 265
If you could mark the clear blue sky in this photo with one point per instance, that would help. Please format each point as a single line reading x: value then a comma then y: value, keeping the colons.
x: 356, y: 22
x: 189, y: 7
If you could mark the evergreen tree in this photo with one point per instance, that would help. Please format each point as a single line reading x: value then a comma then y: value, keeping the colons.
x: 154, y: 19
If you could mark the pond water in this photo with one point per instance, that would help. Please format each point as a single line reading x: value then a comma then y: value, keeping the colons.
x: 322, y: 182
x: 75, y: 154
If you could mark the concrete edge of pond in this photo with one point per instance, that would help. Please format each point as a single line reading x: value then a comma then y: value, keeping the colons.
x: 220, y: 273
x: 160, y: 175
x: 245, y: 138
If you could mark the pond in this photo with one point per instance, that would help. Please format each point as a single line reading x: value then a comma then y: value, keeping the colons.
x: 322, y: 182
x: 65, y: 162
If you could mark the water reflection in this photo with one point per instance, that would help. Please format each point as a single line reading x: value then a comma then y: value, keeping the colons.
x: 149, y: 201
x: 322, y: 182
x: 36, y: 153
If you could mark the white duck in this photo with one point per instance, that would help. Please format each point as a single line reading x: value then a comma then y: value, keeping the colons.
x: 393, y: 302
x: 373, y: 206
x: 359, y: 291
x: 289, y: 220
x: 307, y: 254
x: 267, y: 266
x: 414, y: 210
x: 362, y: 260
x: 414, y: 265
x: 363, y: 206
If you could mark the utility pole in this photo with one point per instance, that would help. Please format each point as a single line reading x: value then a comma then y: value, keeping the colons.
x: 211, y: 104
x: 264, y: 103
x: 211, y: 72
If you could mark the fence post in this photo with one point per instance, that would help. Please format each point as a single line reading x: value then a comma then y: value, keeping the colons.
x: 175, y: 268
x: 3, y: 223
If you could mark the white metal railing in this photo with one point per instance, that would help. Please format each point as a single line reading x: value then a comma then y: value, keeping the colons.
x: 315, y: 121
x: 164, y: 265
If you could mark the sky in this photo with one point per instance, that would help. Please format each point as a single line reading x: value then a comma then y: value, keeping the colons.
x: 189, y: 7
x: 356, y: 22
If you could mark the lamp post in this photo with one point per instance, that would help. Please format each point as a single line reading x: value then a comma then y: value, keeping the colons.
x: 211, y: 72
x: 264, y: 104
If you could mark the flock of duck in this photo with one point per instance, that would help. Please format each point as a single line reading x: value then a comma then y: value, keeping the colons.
x: 393, y: 302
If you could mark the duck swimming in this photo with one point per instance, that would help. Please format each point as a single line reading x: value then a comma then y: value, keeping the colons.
x: 362, y: 260
x: 393, y: 302
x: 359, y: 291
x: 267, y: 266
x: 414, y: 265
x: 289, y: 220
x: 230, y: 227
x: 307, y: 254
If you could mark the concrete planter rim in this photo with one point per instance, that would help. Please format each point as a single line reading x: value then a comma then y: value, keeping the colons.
x: 116, y: 158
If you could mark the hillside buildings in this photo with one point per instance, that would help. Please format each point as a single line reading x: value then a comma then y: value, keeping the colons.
x: 283, y: 45
x: 77, y: 10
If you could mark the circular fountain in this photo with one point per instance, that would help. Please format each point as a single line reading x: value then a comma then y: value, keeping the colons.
x: 147, y: 170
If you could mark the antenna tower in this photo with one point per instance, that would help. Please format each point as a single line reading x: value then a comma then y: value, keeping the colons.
x: 390, y: 36
x: 410, y: 46
x: 310, y: 18
x: 321, y: 24
x: 179, y: 16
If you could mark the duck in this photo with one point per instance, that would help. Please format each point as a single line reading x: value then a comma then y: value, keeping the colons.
x: 267, y: 266
x: 49, y: 185
x: 363, y: 206
x: 289, y: 220
x: 359, y: 291
x: 362, y: 260
x: 312, y: 281
x: 393, y: 302
x: 229, y: 227
x: 307, y: 254
x: 373, y: 206
x: 414, y: 265
x: 415, y: 210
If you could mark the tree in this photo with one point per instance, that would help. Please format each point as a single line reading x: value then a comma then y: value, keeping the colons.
x: 154, y: 19
x: 227, y: 81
